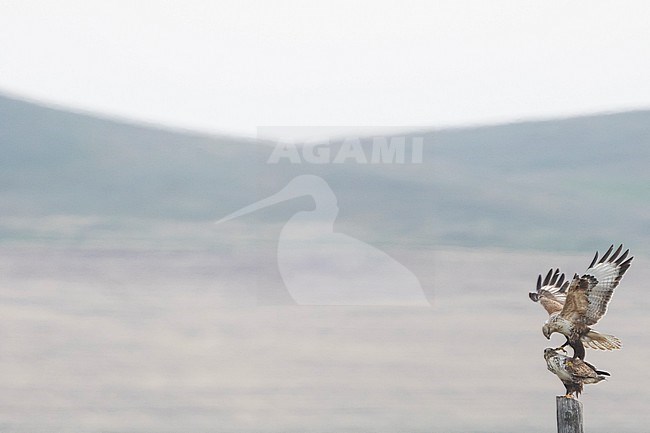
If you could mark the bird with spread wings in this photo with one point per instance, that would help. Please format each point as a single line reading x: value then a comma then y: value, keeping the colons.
x: 574, y: 306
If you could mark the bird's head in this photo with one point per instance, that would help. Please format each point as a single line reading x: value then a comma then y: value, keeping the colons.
x: 548, y: 353
x: 546, y: 330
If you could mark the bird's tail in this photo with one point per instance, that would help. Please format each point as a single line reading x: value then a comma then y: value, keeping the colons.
x: 599, y: 378
x: 600, y: 375
x: 598, y: 372
x: 596, y: 340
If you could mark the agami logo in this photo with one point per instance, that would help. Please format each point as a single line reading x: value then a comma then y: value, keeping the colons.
x: 381, y: 150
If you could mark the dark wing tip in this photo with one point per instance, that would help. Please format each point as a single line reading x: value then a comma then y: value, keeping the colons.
x: 606, y: 255
x: 554, y: 278
x: 616, y: 253
x: 604, y: 373
x: 548, y: 276
x: 622, y: 258
x: 593, y: 262
x: 624, y: 266
x: 564, y: 286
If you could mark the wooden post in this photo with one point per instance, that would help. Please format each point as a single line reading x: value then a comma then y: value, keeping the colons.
x: 569, y: 415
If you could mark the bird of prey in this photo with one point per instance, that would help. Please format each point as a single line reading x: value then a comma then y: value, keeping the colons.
x: 575, y: 306
x: 573, y: 373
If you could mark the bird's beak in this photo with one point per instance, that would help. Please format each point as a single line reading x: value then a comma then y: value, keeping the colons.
x: 283, y: 195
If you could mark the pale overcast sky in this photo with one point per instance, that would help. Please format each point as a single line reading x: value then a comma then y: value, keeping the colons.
x: 229, y: 67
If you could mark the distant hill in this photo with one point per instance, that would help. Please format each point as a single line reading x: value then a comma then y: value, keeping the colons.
x: 76, y: 179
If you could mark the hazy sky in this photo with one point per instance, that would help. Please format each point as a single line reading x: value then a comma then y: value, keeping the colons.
x: 233, y: 66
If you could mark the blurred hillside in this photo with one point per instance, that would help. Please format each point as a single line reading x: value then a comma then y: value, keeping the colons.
x: 74, y: 179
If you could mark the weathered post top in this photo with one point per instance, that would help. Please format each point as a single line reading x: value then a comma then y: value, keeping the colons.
x: 569, y: 415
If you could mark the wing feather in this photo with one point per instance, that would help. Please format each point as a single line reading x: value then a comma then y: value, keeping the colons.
x: 580, y: 370
x: 588, y: 296
x: 551, y: 291
x: 577, y: 302
x: 604, y: 277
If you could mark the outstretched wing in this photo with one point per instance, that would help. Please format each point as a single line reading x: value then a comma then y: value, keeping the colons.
x: 588, y: 296
x: 551, y: 292
x: 605, y: 274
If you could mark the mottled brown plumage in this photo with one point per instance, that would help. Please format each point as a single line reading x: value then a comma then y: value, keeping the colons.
x: 575, y: 306
x: 574, y: 373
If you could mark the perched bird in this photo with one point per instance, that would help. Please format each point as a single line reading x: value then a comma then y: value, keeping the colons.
x: 575, y: 306
x: 573, y: 373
